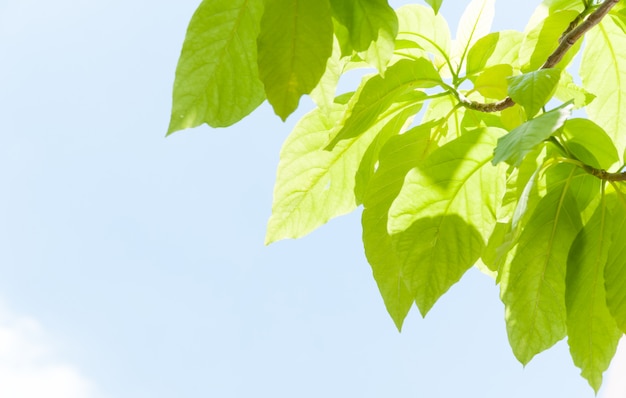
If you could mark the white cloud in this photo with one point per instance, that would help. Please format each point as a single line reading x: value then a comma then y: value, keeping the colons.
x: 29, y: 367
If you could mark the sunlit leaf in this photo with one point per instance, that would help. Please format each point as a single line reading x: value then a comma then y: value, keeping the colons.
x: 217, y: 80
x: 543, y: 39
x: 429, y: 31
x: 377, y: 94
x: 474, y: 24
x: 603, y: 72
x: 492, y: 82
x: 514, y: 146
x: 294, y: 44
x: 567, y: 91
x: 592, y: 331
x: 372, y: 26
x: 494, y: 49
x: 444, y: 215
x: 533, y: 90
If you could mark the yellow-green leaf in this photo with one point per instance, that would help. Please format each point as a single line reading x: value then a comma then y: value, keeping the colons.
x: 295, y: 41
x: 217, y: 80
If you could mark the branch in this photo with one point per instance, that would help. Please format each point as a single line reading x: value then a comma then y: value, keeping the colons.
x: 605, y: 175
x: 569, y: 38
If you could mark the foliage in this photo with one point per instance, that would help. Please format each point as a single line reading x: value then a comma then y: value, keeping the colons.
x: 461, y: 152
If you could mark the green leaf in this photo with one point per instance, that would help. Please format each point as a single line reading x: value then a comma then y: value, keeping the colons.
x: 543, y: 39
x: 450, y: 116
x: 474, y: 24
x: 444, y: 215
x: 593, y: 334
x: 615, y: 270
x: 217, y: 79
x: 295, y: 41
x: 324, y: 93
x: 313, y: 184
x: 429, y: 31
x: 492, y: 83
x: 377, y: 93
x: 397, y: 125
x: 567, y: 90
x: 585, y: 137
x: 372, y: 26
x: 399, y: 155
x: 435, y: 4
x: 494, y: 49
x: 533, y: 285
x: 603, y: 72
x: 534, y: 89
x: 514, y: 146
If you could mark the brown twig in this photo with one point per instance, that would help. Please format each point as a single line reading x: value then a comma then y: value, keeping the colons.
x: 605, y: 175
x: 571, y: 36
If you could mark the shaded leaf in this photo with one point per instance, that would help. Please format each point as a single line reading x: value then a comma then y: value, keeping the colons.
x: 615, y: 270
x: 445, y: 213
x: 514, y: 146
x: 372, y: 27
x: 217, y: 80
x: 533, y: 285
x: 294, y: 44
x: 585, y: 137
x: 399, y: 155
x: 533, y: 90
x: 592, y: 332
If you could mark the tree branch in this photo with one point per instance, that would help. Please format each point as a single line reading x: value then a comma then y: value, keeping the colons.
x: 570, y: 37
x: 605, y: 175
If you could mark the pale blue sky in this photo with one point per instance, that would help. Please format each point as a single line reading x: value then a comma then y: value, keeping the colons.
x: 140, y: 259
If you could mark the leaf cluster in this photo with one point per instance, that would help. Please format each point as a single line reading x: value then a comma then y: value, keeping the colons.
x: 481, y: 150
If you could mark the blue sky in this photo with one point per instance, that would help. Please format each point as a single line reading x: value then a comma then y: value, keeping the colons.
x: 133, y: 265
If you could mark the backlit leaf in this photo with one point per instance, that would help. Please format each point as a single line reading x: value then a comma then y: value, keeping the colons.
x: 217, y: 80
x: 543, y: 39
x: 313, y: 184
x: 372, y: 27
x: 444, y: 215
x: 492, y: 82
x: 429, y: 31
x: 474, y: 24
x: 377, y: 94
x: 603, y: 72
x: 494, y: 49
x: 294, y: 44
